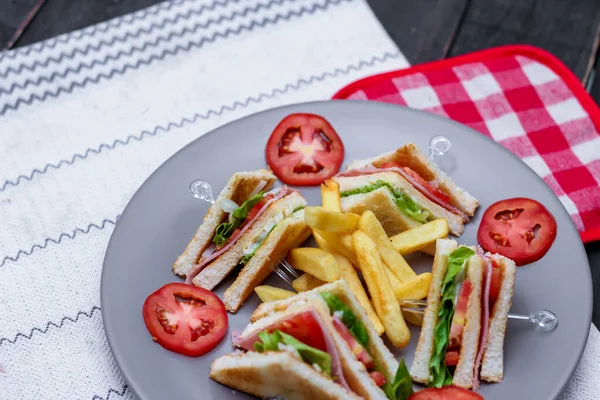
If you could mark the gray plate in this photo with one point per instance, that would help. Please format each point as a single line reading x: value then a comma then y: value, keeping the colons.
x: 162, y: 217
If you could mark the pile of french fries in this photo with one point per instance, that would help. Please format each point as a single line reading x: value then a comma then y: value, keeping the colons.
x: 350, y: 244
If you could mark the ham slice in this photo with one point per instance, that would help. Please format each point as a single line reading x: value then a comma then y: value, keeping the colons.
x: 247, y: 343
x: 284, y: 191
x: 485, y: 318
x: 417, y: 185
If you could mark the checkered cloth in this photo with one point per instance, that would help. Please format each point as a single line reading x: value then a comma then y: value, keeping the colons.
x: 524, y: 99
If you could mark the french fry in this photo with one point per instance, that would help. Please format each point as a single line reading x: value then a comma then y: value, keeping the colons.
x: 306, y: 282
x: 415, y: 289
x: 421, y: 238
x: 413, y: 318
x: 394, y: 282
x: 268, y: 293
x: 330, y: 196
x: 348, y: 274
x: 341, y: 244
x: 330, y: 221
x: 369, y: 224
x: 316, y: 262
x: 384, y: 300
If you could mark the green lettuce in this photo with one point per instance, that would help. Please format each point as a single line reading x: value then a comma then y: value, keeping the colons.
x: 310, y: 355
x: 403, y: 202
x: 224, y: 231
x: 402, y: 387
x: 354, y: 325
x: 440, y: 374
x: 247, y: 257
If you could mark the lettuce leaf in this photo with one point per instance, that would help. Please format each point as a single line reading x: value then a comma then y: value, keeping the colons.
x: 440, y: 375
x: 246, y: 258
x: 354, y: 325
x: 403, y: 202
x: 224, y: 230
x: 402, y: 387
x: 310, y: 355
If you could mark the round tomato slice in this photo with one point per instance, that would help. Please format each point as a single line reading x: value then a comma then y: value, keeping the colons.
x: 521, y: 229
x: 304, y: 150
x: 185, y: 319
x: 446, y: 393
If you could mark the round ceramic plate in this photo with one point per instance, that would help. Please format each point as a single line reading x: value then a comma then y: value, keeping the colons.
x: 161, y: 218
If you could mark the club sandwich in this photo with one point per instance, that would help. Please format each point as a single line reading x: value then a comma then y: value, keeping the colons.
x: 462, y: 336
x: 404, y: 189
x: 318, y: 344
x: 250, y: 224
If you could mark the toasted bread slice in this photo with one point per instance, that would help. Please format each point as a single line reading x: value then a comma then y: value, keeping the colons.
x: 419, y: 370
x: 238, y: 189
x: 221, y: 266
x: 272, y: 374
x: 464, y: 372
x: 376, y: 348
x: 492, y: 365
x: 287, y: 234
x: 384, y: 208
x: 410, y: 156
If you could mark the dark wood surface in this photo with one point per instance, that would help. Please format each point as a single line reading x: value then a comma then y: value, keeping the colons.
x: 424, y: 30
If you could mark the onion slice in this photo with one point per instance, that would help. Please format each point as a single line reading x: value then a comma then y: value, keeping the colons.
x: 228, y: 205
x: 259, y: 186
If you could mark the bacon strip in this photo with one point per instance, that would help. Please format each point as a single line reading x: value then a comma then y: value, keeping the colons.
x: 196, y: 269
x: 417, y: 185
x: 336, y: 365
x: 485, y: 319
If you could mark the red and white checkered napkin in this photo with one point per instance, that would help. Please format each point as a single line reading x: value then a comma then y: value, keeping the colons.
x: 523, y: 98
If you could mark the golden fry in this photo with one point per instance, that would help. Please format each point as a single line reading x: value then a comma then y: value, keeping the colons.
x: 413, y: 318
x: 415, y: 289
x: 341, y: 244
x: 306, y: 282
x: 384, y: 300
x: 268, y: 293
x: 316, y: 262
x: 330, y: 221
x: 421, y: 238
x: 348, y: 274
x: 330, y: 196
x: 369, y: 224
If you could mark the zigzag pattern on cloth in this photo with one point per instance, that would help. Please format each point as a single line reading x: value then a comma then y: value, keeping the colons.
x: 111, y: 391
x: 193, y: 119
x: 92, y: 31
x: 193, y: 44
x: 64, y: 56
x: 59, y: 325
x: 71, y: 235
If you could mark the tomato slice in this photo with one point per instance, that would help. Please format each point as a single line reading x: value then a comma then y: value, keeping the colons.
x: 460, y: 313
x: 446, y: 393
x: 304, y: 150
x: 304, y: 327
x: 495, y: 282
x: 357, y: 349
x: 256, y: 208
x: 520, y: 228
x: 378, y: 378
x: 427, y: 185
x: 452, y: 357
x: 185, y: 319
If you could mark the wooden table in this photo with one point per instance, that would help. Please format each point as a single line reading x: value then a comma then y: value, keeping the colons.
x: 424, y: 30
